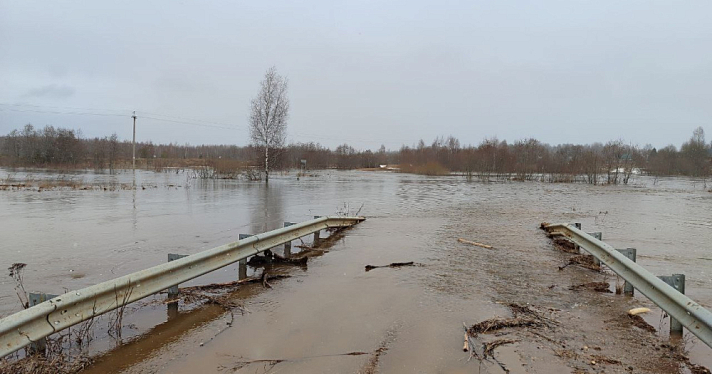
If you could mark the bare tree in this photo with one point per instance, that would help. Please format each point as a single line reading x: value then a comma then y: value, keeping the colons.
x: 269, y: 111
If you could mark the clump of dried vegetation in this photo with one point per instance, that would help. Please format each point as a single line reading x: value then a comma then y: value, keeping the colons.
x: 51, y: 364
x: 585, y: 261
x: 59, y: 183
x: 16, y: 270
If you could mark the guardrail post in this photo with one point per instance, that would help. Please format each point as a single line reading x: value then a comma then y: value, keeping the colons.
x: 676, y: 281
x: 173, y: 291
x: 599, y: 236
x: 630, y: 253
x: 288, y: 245
x: 576, y: 246
x: 316, y: 234
x: 36, y: 298
x: 242, y: 264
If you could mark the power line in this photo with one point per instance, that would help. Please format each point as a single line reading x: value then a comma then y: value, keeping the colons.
x: 181, y: 120
x: 66, y: 108
x: 193, y: 120
x: 70, y: 113
x: 190, y: 123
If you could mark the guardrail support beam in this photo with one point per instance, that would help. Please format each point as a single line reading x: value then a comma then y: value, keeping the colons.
x: 288, y: 245
x: 576, y: 246
x: 242, y: 264
x: 174, y: 291
x: 317, y: 237
x: 35, y: 298
x: 676, y: 281
x: 599, y: 236
x: 630, y: 253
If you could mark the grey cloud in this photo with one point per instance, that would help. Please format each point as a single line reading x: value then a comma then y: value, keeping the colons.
x: 367, y: 73
x: 52, y: 91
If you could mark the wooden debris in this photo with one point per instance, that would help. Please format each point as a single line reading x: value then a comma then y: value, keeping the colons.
x: 391, y: 265
x: 277, y: 259
x: 465, y: 241
x: 218, y: 286
x: 499, y: 323
x: 491, y: 346
x: 264, y: 279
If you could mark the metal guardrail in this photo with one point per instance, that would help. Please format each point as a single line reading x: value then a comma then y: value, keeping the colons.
x: 35, y: 323
x: 690, y: 314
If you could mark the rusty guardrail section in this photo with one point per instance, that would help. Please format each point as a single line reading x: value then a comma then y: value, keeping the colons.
x: 32, y: 324
x: 690, y: 314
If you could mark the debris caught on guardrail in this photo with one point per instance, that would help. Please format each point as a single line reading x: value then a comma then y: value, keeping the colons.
x: 277, y: 259
x: 226, y: 286
x: 585, y: 261
x: 391, y: 265
x: 470, y: 242
x: 565, y: 245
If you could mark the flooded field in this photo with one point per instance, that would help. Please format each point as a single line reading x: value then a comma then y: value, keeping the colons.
x: 396, y: 319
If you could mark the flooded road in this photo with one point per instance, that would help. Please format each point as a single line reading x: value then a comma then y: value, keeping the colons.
x: 310, y: 322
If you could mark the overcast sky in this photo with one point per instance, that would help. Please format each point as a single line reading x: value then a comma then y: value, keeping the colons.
x: 363, y: 72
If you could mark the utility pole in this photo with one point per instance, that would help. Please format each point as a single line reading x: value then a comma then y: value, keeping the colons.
x: 134, y: 140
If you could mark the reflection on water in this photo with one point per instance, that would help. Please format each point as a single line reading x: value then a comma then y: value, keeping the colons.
x: 72, y: 239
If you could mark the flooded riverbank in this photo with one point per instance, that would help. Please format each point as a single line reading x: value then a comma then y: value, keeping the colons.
x: 72, y: 239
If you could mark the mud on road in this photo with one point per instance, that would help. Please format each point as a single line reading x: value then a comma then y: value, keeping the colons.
x: 336, y: 317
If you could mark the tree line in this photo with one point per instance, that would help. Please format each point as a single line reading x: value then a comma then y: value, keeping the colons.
x: 528, y: 159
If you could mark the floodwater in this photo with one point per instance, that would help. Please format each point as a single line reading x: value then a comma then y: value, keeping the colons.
x: 310, y: 322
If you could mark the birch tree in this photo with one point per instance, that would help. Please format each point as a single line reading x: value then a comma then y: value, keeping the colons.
x: 269, y: 111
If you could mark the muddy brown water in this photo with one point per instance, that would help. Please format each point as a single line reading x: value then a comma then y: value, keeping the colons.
x: 311, y: 322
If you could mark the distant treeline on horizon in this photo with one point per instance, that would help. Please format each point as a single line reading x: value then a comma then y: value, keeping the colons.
x: 528, y: 159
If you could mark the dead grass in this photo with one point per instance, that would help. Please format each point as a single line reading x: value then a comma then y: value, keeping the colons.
x: 60, y: 183
x: 39, y: 364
